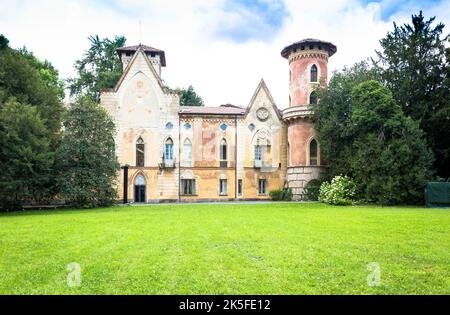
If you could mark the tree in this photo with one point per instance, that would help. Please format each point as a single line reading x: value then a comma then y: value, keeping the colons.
x: 100, y: 67
x: 332, y: 115
x: 365, y: 135
x: 46, y: 71
x: 3, y: 41
x: 87, y: 161
x: 21, y: 82
x: 413, y: 66
x: 390, y: 161
x: 20, y: 78
x: 188, y: 97
x: 26, y: 157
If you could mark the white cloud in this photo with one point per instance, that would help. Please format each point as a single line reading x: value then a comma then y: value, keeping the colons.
x: 221, y: 70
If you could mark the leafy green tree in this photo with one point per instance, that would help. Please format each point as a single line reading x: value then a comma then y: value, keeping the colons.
x: 365, y: 135
x: 188, y: 97
x: 412, y: 63
x: 390, y: 160
x: 26, y: 158
x: 46, y: 71
x: 20, y: 78
x: 332, y: 115
x: 100, y: 68
x: 87, y: 160
x: 3, y: 41
x: 21, y: 81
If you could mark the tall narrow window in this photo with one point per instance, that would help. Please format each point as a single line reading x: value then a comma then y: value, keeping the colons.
x: 262, y: 187
x: 187, y: 149
x: 223, y: 150
x: 313, y: 152
x: 169, y: 149
x: 313, y: 98
x: 223, y: 187
x: 140, y: 152
x: 239, y: 188
x: 313, y: 76
x: 258, y: 152
x: 223, y: 153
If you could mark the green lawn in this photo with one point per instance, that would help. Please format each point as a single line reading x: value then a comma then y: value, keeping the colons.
x: 279, y: 248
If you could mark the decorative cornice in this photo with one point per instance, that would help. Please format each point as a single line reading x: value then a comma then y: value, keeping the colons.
x: 297, y: 112
x: 307, y: 54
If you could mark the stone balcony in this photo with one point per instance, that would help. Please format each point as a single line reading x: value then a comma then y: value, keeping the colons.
x: 294, y: 112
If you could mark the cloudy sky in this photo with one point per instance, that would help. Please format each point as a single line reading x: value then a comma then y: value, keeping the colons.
x: 222, y: 47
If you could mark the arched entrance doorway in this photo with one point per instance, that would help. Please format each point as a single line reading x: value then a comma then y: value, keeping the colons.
x: 139, y: 189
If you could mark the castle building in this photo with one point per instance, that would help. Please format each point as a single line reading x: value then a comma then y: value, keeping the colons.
x: 170, y: 152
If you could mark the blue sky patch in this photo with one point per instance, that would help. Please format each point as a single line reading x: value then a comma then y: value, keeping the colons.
x: 246, y: 20
x: 391, y: 7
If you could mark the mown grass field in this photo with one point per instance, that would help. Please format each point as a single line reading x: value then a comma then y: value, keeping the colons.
x: 278, y: 248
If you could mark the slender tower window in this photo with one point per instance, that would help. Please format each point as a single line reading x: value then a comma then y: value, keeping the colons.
x: 313, y: 152
x: 312, y: 98
x: 313, y: 77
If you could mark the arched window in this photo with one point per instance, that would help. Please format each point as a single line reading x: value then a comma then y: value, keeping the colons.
x: 313, y: 98
x: 313, y: 76
x: 140, y: 152
x: 187, y: 150
x: 223, y: 150
x: 223, y: 153
x: 169, y: 149
x: 313, y: 152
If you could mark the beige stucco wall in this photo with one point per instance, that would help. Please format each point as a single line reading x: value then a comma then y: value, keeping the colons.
x: 141, y: 107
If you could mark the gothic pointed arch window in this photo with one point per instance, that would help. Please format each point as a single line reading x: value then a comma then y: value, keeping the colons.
x: 313, y: 153
x: 140, y: 152
x: 313, y: 73
x: 313, y: 98
x: 187, y: 150
x: 168, y: 150
x: 223, y: 155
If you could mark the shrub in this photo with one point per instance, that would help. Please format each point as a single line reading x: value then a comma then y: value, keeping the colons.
x: 287, y: 194
x: 312, y: 189
x: 278, y: 194
x: 341, y: 191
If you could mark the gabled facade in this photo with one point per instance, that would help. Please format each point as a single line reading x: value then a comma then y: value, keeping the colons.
x: 174, y: 153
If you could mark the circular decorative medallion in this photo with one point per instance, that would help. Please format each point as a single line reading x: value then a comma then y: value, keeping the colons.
x: 262, y: 113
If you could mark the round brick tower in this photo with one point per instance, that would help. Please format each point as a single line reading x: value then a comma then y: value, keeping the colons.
x: 308, y: 69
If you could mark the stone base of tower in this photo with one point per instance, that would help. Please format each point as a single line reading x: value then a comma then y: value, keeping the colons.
x: 299, y: 176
